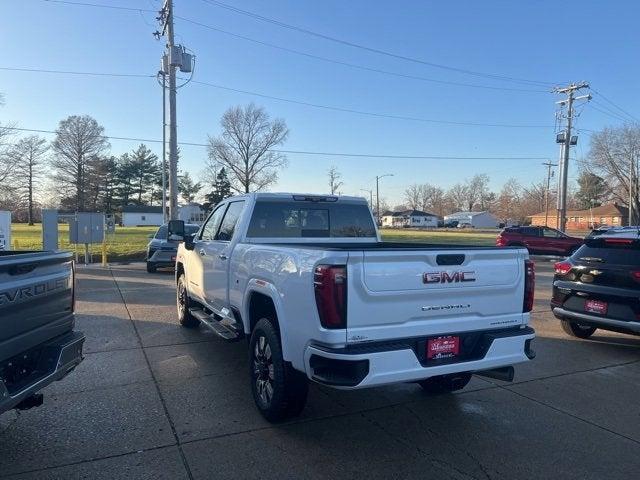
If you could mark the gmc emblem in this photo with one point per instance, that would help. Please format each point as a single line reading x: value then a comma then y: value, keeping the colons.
x: 448, y: 277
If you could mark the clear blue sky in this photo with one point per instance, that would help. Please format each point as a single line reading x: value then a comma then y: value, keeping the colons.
x: 545, y: 41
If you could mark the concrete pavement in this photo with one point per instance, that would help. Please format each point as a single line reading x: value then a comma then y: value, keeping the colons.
x: 153, y: 400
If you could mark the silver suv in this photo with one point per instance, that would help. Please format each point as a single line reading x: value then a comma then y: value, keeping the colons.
x: 161, y: 252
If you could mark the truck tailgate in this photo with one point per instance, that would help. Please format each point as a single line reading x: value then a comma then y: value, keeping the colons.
x: 400, y: 293
x: 36, y: 299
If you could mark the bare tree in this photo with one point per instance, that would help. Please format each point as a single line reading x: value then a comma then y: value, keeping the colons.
x: 79, y: 142
x: 334, y: 179
x: 458, y: 196
x: 29, y: 159
x: 413, y: 196
x: 245, y: 147
x: 614, y: 155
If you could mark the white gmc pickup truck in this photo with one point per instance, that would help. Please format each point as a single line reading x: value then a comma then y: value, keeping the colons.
x: 308, y: 280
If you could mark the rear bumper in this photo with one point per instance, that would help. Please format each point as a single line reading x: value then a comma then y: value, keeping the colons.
x: 394, y: 362
x: 54, y: 360
x: 596, y: 321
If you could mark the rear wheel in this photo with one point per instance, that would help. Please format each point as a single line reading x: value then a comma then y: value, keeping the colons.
x: 182, y: 302
x: 576, y: 330
x: 279, y: 390
x: 151, y: 267
x: 446, y: 383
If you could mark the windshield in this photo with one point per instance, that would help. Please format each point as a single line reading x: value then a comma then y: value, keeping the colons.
x: 309, y: 220
x: 161, y: 234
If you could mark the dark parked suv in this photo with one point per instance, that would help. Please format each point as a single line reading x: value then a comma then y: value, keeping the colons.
x: 539, y: 240
x: 599, y: 286
x: 161, y: 251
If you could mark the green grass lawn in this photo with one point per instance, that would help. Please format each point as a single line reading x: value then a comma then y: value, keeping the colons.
x: 451, y: 237
x: 129, y: 243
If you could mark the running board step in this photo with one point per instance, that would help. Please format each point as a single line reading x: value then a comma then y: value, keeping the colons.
x: 223, y: 331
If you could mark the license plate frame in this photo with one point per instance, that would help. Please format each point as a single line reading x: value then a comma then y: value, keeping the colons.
x: 447, y: 346
x: 596, y: 306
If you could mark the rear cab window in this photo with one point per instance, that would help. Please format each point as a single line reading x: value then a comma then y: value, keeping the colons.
x: 301, y: 219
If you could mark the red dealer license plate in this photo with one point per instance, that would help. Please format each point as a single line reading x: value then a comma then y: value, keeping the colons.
x: 596, y: 306
x: 443, y: 347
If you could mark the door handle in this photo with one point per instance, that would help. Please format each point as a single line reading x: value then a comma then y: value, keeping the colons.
x: 202, y: 252
x: 222, y: 256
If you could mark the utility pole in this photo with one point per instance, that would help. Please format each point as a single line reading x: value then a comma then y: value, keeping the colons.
x: 174, y: 58
x: 567, y: 141
x: 378, y: 177
x: 633, y: 188
x: 549, y: 166
x: 164, y: 147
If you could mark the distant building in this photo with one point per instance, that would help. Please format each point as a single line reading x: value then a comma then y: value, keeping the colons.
x: 192, y: 213
x: 141, y: 215
x: 473, y: 219
x: 611, y: 214
x: 409, y: 218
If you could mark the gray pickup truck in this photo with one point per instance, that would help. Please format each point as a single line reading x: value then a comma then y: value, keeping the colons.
x: 37, y: 342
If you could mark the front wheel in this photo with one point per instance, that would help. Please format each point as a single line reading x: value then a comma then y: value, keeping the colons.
x: 185, y: 317
x: 279, y: 390
x: 576, y: 330
x: 151, y: 267
x: 446, y: 383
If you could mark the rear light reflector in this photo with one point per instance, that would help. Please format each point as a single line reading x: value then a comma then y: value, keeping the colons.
x: 635, y: 274
x: 529, y: 285
x: 562, y: 268
x: 330, y: 285
x: 500, y: 242
x: 619, y: 241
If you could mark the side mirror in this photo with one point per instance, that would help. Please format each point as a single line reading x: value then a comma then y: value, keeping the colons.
x: 176, y: 228
x: 188, y: 241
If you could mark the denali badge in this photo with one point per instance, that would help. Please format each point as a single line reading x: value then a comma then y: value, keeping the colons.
x: 448, y: 277
x: 430, y: 308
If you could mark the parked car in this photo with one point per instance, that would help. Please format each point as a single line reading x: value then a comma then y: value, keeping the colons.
x: 539, y: 240
x: 38, y: 344
x: 596, y: 232
x: 322, y: 298
x: 450, y: 224
x: 161, y: 250
x: 599, y: 286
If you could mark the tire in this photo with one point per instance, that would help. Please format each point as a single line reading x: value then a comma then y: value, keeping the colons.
x: 151, y: 267
x: 445, y: 383
x: 279, y: 391
x: 183, y: 303
x: 576, y: 330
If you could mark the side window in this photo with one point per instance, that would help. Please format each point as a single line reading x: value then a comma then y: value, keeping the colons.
x: 228, y: 226
x: 211, y: 227
x: 550, y: 233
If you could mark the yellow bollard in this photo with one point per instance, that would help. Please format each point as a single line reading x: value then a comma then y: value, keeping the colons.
x: 104, y: 254
x: 16, y: 246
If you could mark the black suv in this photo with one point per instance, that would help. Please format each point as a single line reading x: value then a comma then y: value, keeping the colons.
x: 599, y: 285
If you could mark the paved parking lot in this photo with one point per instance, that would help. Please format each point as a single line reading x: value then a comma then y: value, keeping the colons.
x: 153, y: 400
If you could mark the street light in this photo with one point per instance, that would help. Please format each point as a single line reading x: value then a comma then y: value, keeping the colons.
x: 370, y: 196
x: 378, y: 177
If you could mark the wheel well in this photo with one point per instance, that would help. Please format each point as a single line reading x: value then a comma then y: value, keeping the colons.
x: 179, y: 270
x: 261, y: 306
x: 516, y: 244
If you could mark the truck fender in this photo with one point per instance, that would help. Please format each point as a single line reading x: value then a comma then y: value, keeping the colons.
x: 267, y: 289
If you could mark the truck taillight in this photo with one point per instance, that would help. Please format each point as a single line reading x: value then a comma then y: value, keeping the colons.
x: 500, y: 242
x: 330, y: 285
x: 73, y: 286
x: 529, y: 285
x: 635, y: 274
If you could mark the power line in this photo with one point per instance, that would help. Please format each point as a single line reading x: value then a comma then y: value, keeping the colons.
x: 292, y: 101
x: 372, y: 49
x: 305, y: 152
x: 353, y: 65
x: 367, y: 113
x: 616, y: 106
x: 325, y: 37
x: 607, y: 111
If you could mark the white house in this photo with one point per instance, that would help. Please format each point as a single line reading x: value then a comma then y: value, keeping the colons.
x: 409, y: 218
x: 141, y: 215
x: 192, y: 213
x: 473, y: 219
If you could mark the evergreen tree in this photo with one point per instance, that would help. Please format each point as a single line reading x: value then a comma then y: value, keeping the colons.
x: 221, y: 190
